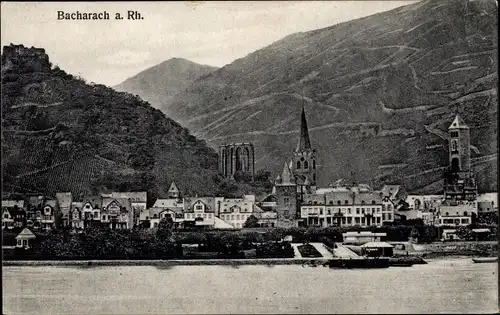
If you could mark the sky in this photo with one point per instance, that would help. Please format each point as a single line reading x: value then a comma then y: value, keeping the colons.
x: 211, y: 33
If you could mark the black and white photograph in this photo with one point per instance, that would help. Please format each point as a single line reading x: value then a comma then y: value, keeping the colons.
x: 249, y: 157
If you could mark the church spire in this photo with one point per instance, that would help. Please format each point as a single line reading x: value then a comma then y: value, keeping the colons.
x: 304, y: 141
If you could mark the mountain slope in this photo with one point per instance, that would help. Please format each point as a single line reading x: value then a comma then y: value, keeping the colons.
x: 379, y: 92
x: 160, y: 83
x: 61, y: 134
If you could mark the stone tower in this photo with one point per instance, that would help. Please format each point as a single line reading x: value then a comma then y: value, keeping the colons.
x: 285, y: 192
x: 304, y: 157
x: 237, y: 157
x: 459, y: 145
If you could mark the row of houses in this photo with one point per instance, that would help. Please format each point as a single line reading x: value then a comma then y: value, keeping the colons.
x: 124, y: 210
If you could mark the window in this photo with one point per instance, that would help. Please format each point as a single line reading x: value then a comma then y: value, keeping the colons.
x: 25, y: 242
x: 306, y: 165
x: 454, y: 146
x: 314, y: 164
x: 465, y: 213
x: 454, y: 134
x: 338, y: 202
x: 286, y: 201
x: 357, y: 210
x: 329, y: 211
x: 363, y: 210
x: 199, y: 207
x: 321, y: 211
x: 373, y: 202
x: 286, y: 214
x: 447, y: 214
x: 232, y: 216
x: 104, y: 217
x: 6, y: 216
x: 346, y: 202
x: 237, y: 217
x: 298, y: 165
x: 362, y: 202
x: 314, y: 177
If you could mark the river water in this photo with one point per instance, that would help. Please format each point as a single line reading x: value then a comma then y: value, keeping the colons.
x: 442, y: 286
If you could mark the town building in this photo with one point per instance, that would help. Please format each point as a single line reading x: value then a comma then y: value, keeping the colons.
x: 200, y: 211
x: 24, y: 238
x: 64, y: 200
x: 138, y: 201
x: 236, y: 211
x: 345, y: 206
x: 117, y: 213
x: 13, y: 214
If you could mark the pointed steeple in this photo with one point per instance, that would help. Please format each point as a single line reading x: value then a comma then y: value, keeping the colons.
x: 286, y: 175
x: 458, y: 123
x: 304, y: 141
x: 173, y: 191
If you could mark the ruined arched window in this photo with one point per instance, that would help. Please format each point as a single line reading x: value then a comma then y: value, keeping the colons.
x: 306, y: 165
x: 298, y: 165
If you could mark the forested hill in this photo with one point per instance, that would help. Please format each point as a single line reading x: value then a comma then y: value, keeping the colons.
x: 60, y: 133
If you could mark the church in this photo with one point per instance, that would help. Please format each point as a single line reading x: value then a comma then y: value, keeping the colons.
x: 297, y: 179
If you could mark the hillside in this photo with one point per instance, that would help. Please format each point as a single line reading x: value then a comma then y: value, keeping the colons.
x: 62, y: 134
x: 379, y: 92
x: 159, y: 84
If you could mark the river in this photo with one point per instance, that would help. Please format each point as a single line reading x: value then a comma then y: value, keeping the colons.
x: 442, y: 286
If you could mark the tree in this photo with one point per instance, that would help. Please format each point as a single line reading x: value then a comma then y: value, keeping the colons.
x: 165, y: 228
x: 251, y: 222
x: 414, y: 234
x: 465, y: 234
x: 429, y: 234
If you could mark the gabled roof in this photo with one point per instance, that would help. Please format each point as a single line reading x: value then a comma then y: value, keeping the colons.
x: 173, y: 188
x: 458, y: 123
x: 25, y: 233
x: 165, y: 203
x: 134, y: 196
x: 51, y: 203
x: 123, y: 202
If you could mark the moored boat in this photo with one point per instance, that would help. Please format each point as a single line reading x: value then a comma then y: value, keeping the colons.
x: 485, y: 259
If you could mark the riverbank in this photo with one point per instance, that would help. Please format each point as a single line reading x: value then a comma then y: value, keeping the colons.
x: 172, y: 262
